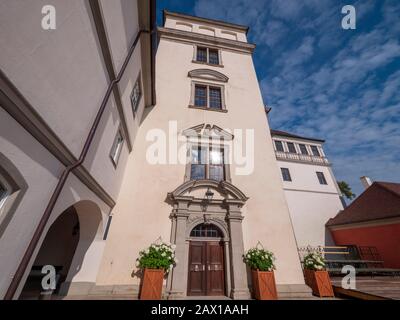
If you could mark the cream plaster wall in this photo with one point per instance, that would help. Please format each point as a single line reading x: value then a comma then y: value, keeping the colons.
x: 60, y: 72
x: 142, y: 215
x: 205, y: 28
x: 311, y: 204
x: 121, y: 22
x: 98, y: 160
x: 40, y: 171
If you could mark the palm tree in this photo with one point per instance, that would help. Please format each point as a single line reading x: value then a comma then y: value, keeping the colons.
x: 346, y: 190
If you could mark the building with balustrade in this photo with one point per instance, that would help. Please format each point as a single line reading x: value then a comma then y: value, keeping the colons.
x: 310, y: 186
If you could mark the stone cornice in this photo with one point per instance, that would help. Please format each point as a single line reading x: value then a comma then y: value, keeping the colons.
x: 191, y: 37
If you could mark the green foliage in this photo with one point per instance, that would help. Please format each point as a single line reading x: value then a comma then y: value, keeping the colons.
x: 346, y: 190
x: 314, y: 261
x: 260, y: 259
x: 157, y: 256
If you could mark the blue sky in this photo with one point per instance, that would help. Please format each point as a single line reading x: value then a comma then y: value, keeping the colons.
x: 323, y: 81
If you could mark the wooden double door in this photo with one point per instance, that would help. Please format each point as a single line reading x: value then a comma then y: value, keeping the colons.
x: 206, y: 269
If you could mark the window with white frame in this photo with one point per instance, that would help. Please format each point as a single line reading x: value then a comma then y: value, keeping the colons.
x: 303, y: 149
x: 286, y: 174
x: 207, y: 55
x: 136, y: 95
x: 315, y: 151
x: 279, y: 146
x: 208, y: 96
x: 321, y: 178
x: 117, y: 148
x: 207, y: 162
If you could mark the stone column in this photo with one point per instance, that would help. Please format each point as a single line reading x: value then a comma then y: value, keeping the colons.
x: 178, y: 285
x: 240, y: 288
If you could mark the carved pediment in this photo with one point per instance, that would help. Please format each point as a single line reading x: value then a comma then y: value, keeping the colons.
x: 208, y: 74
x: 208, y: 131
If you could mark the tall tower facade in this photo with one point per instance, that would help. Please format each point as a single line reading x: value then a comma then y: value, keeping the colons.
x: 215, y: 204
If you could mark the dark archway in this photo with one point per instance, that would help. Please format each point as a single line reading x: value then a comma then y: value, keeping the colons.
x: 58, y: 249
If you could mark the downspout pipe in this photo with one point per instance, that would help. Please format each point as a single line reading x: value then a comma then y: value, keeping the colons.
x: 61, y: 182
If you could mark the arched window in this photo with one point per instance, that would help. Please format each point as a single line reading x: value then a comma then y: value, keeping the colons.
x: 206, y: 231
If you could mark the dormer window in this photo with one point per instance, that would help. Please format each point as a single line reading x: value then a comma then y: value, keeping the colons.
x: 206, y: 55
x: 291, y: 147
x: 315, y: 151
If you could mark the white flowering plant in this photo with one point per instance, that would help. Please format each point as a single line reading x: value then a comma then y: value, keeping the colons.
x: 158, y: 256
x: 314, y: 261
x: 260, y: 259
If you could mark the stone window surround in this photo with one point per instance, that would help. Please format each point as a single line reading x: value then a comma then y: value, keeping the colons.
x: 225, y: 213
x: 194, y: 60
x: 208, y: 84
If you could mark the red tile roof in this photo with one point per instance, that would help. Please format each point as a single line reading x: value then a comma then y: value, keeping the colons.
x: 380, y: 201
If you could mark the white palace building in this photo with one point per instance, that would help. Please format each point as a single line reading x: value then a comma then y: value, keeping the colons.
x: 114, y: 133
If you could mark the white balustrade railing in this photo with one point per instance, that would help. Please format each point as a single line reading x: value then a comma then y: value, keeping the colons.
x: 301, y: 157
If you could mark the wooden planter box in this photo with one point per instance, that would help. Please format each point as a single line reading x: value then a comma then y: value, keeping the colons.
x: 152, y: 284
x: 319, y: 282
x: 264, y: 287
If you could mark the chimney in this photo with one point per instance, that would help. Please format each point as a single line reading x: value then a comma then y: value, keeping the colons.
x: 366, y: 182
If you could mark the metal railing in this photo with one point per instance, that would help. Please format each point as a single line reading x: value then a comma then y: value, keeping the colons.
x: 301, y: 157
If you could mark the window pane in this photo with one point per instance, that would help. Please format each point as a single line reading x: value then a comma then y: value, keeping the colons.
x: 3, y: 192
x: 209, y: 230
x: 279, y: 145
x: 291, y: 147
x: 303, y: 149
x: 286, y: 174
x: 135, y: 96
x: 198, y: 155
x: 315, y: 151
x: 213, y: 57
x: 117, y: 147
x: 197, y: 172
x: 216, y: 156
x: 215, y: 98
x: 202, y: 54
x: 200, y: 96
x: 216, y: 172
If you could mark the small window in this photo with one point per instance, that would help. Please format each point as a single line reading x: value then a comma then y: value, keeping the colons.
x: 303, y: 149
x: 286, y: 174
x: 207, y: 55
x: 117, y: 148
x: 279, y: 146
x: 291, y: 147
x: 136, y: 95
x: 315, y: 151
x: 321, y: 178
x: 206, y: 231
x: 206, y: 96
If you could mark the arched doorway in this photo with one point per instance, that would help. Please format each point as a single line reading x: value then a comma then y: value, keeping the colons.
x: 206, y: 261
x: 58, y: 249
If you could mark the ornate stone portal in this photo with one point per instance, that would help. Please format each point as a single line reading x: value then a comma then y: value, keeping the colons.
x: 192, y: 207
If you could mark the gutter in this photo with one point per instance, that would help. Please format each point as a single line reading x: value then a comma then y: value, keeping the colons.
x: 50, y: 206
